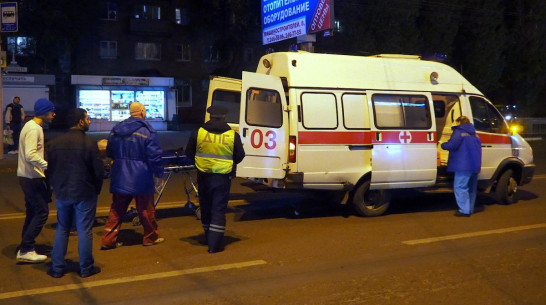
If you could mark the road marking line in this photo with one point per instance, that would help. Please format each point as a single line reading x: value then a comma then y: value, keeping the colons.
x: 129, y: 279
x: 539, y: 176
x: 472, y: 234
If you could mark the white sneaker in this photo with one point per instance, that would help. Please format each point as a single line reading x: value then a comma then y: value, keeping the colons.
x: 13, y: 152
x: 30, y: 257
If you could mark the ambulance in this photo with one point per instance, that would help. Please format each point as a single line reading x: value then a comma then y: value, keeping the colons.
x: 362, y: 126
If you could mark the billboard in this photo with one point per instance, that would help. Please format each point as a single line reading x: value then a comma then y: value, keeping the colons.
x: 284, y: 19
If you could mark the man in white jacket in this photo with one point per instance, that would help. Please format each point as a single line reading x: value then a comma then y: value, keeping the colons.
x: 30, y: 170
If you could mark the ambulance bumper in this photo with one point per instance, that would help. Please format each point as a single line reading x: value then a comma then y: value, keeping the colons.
x: 528, y: 173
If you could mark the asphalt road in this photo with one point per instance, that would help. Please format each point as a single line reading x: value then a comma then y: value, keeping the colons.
x: 293, y: 248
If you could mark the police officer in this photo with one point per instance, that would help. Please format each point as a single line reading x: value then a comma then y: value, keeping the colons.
x: 217, y: 149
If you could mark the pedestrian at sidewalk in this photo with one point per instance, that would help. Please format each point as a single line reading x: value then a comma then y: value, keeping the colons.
x: 134, y: 147
x: 217, y: 150
x: 76, y: 174
x: 15, y: 115
x: 465, y: 160
x: 30, y: 170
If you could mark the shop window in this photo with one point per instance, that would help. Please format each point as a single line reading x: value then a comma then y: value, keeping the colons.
x: 401, y: 111
x: 108, y: 49
x: 355, y: 111
x: 147, y: 51
x: 319, y: 110
x: 183, y: 52
x: 109, y: 10
x: 22, y: 46
x: 147, y: 12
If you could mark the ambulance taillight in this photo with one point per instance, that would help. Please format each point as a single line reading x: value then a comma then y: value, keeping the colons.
x: 292, y: 149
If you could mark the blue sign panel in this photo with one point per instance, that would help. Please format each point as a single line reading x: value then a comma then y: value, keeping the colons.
x: 9, y: 17
x: 283, y: 19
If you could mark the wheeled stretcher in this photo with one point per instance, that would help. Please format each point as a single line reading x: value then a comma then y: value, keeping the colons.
x: 173, y: 162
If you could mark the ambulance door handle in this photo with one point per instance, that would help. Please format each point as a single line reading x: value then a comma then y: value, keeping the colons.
x: 360, y: 147
x: 378, y: 137
x: 244, y: 132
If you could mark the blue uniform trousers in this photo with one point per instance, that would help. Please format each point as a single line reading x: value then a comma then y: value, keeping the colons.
x: 465, y: 186
x: 213, y: 201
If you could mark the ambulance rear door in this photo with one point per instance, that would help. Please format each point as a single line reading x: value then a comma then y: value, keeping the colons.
x: 263, y: 126
x: 404, y: 151
x: 225, y: 92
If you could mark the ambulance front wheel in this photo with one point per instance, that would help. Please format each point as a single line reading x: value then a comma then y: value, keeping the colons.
x: 366, y: 202
x: 506, y: 188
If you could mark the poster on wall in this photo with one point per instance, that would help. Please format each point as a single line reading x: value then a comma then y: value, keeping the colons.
x: 154, y: 101
x: 120, y: 104
x: 96, y: 103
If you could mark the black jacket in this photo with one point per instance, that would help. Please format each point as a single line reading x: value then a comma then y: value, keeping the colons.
x: 218, y: 127
x: 75, y: 169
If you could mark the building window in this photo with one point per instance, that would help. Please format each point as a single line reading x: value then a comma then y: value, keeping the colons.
x: 22, y: 46
x: 149, y: 12
x: 108, y: 49
x: 109, y: 10
x: 147, y: 51
x: 183, y: 93
x: 183, y: 52
x: 211, y: 54
x: 181, y: 16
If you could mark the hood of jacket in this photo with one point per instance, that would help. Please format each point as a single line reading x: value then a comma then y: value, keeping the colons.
x: 129, y: 126
x: 216, y: 126
x: 468, y: 128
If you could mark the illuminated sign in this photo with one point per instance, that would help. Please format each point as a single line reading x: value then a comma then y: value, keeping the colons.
x: 284, y: 19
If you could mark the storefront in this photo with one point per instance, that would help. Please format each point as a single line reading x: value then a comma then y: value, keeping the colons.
x: 29, y: 87
x: 107, y: 98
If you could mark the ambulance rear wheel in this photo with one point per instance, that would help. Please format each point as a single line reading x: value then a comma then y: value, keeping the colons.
x: 366, y: 202
x: 506, y: 188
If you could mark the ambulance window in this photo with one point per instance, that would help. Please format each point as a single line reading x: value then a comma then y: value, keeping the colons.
x: 401, y: 111
x: 230, y: 100
x: 319, y: 110
x: 355, y: 111
x: 486, y: 117
x: 263, y: 108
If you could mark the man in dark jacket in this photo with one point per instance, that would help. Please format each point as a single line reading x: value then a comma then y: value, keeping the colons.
x: 465, y: 160
x: 216, y: 149
x: 134, y: 147
x: 76, y: 174
x: 15, y: 115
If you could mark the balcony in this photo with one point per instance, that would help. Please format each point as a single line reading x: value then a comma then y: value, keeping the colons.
x: 155, y: 27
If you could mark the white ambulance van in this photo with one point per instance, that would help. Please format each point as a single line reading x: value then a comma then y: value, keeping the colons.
x: 363, y: 126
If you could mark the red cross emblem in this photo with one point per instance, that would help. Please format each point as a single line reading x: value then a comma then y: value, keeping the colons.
x: 404, y: 137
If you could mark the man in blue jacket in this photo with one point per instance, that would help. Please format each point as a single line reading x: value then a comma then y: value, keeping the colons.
x: 134, y: 147
x: 465, y: 160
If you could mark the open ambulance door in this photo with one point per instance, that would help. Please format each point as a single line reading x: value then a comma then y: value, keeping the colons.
x: 263, y: 126
x: 225, y: 92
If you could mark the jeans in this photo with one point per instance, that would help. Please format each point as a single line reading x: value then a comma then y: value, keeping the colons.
x: 83, y: 213
x: 465, y: 187
x: 37, y: 211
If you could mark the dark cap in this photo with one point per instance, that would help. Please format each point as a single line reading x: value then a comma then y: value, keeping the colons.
x: 217, y: 110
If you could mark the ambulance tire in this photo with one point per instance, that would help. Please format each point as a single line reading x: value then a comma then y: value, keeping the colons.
x: 506, y: 188
x: 366, y: 202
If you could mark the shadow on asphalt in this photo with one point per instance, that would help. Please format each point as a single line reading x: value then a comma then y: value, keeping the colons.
x: 199, y: 240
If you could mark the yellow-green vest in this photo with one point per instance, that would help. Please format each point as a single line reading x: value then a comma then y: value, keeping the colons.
x: 214, y: 152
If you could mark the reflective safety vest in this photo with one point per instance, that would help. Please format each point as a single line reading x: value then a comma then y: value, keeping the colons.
x: 214, y: 152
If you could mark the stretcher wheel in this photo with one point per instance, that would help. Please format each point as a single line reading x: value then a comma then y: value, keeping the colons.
x: 198, y: 213
x: 136, y: 221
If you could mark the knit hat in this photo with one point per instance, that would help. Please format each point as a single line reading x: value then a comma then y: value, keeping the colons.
x: 43, y: 106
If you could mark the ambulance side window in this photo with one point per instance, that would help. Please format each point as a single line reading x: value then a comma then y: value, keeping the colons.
x: 319, y: 110
x: 401, y: 111
x: 486, y: 117
x: 230, y: 100
x: 355, y: 111
x: 263, y: 108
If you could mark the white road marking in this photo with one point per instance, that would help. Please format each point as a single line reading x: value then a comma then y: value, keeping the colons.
x: 129, y: 279
x: 539, y: 177
x: 472, y: 234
